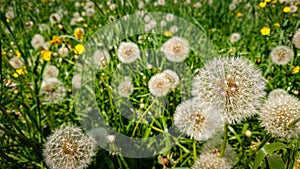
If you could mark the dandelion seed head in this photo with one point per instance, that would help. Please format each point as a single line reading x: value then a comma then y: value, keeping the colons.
x: 16, y: 62
x: 76, y: 81
x: 101, y: 58
x: 195, y: 119
x: 128, y: 52
x: 51, y: 71
x: 37, y: 41
x: 125, y: 88
x: 55, y: 18
x: 63, y: 51
x: 281, y: 55
x: 233, y: 85
x: 278, y: 112
x: 158, y: 85
x: 69, y: 148
x: 52, y: 90
x: 235, y: 37
x: 176, y: 49
x: 172, y: 77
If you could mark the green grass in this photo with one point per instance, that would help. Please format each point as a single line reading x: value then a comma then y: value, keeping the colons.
x: 27, y: 122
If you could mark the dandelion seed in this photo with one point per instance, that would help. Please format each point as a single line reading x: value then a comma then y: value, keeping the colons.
x: 277, y: 93
x: 52, y: 90
x: 176, y: 49
x: 89, y: 4
x: 128, y: 52
x: 37, y: 41
x: 234, y: 86
x: 125, y: 88
x: 69, y: 148
x: 195, y: 119
x: 101, y: 58
x: 51, y: 71
x: 281, y: 55
x: 16, y: 63
x: 235, y: 37
x: 163, y: 23
x: 278, y: 113
x: 293, y: 8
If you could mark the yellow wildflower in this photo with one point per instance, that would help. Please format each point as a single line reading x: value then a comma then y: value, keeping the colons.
x: 18, y: 54
x: 56, y: 40
x: 46, y: 55
x: 239, y: 14
x: 286, y: 9
x: 78, y: 33
x: 277, y: 24
x: 265, y: 30
x: 168, y: 33
x: 274, y: 1
x: 79, y: 49
x: 262, y: 4
x: 296, y: 69
x: 20, y: 71
x: 267, y: 0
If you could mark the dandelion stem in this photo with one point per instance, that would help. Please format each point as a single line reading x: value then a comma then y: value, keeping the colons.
x: 262, y: 143
x: 224, y: 141
x: 194, y: 151
x: 140, y: 119
x: 124, y: 162
x: 293, y: 122
x: 156, y: 129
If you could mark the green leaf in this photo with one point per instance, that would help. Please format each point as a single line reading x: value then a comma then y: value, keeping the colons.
x: 275, y: 161
x: 266, y: 150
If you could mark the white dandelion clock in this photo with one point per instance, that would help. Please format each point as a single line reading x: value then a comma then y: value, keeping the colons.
x: 281, y: 55
x: 128, y: 52
x: 234, y: 85
x: 196, y: 119
x: 52, y: 90
x: 76, y: 81
x: 51, y: 71
x: 69, y: 148
x: 278, y: 114
x: 159, y: 85
x: 63, y: 51
x: 101, y: 59
x: 176, y: 49
x: 125, y: 88
x: 296, y: 39
x: 37, y: 41
x: 172, y: 77
x: 16, y: 62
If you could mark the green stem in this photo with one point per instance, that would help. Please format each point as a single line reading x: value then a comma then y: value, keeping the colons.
x: 262, y: 143
x: 194, y: 151
x: 224, y: 141
x: 140, y: 119
x: 124, y: 162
